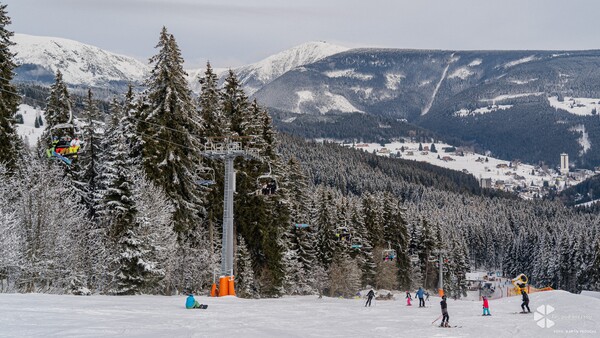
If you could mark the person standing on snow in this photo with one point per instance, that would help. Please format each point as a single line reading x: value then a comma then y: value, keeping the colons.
x: 370, y: 296
x: 420, y: 294
x: 525, y: 303
x: 408, y: 298
x: 486, y: 307
x: 445, y: 316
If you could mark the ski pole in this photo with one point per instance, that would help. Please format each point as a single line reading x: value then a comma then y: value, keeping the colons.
x: 438, y: 318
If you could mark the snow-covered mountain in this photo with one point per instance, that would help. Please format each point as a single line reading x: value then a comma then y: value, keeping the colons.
x: 256, y: 75
x: 39, y: 57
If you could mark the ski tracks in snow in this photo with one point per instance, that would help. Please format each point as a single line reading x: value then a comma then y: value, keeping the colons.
x: 437, y: 87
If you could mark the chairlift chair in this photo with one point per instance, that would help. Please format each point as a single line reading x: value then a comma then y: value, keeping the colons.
x: 389, y: 254
x: 64, y: 145
x: 267, y: 184
x: 301, y: 225
x: 343, y: 233
x: 206, y: 176
x: 414, y: 258
x: 356, y: 243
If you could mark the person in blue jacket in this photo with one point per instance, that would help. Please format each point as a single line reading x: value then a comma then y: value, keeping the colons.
x: 421, y: 293
x: 191, y: 303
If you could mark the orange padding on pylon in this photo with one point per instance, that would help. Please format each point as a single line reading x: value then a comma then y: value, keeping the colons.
x: 213, y: 290
x: 231, y: 286
x: 223, y: 286
x: 441, y: 292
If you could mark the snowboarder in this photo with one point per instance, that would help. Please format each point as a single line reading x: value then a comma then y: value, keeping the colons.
x: 370, y: 296
x: 420, y: 294
x: 486, y: 307
x: 525, y: 303
x: 408, y: 298
x: 445, y: 316
x: 191, y: 303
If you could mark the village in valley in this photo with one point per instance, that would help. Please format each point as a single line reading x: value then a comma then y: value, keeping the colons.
x: 526, y: 180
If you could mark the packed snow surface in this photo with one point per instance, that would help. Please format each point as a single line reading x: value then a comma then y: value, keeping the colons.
x: 27, y: 130
x: 41, y: 315
x: 576, y: 105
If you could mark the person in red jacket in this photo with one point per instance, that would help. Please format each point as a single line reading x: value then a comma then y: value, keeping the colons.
x: 486, y: 307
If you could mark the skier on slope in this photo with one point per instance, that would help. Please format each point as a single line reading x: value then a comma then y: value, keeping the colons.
x: 445, y: 316
x: 408, y: 298
x: 370, y: 296
x: 486, y: 307
x: 191, y: 303
x: 525, y: 303
x: 420, y: 294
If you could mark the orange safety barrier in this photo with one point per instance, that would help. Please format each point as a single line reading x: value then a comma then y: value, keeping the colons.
x: 213, y: 290
x: 223, y: 286
x: 231, y: 286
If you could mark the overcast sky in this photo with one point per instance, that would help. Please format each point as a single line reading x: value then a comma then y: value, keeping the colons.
x: 230, y: 33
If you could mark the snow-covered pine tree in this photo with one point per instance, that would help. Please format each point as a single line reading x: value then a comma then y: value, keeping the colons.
x: 214, y: 123
x: 326, y: 236
x: 58, y: 110
x: 170, y: 149
x: 396, y: 233
x: 344, y: 275
x: 244, y: 274
x: 11, y: 235
x: 234, y: 106
x: 10, y: 144
x: 50, y: 219
x: 85, y: 172
x: 301, y: 239
x: 151, y: 239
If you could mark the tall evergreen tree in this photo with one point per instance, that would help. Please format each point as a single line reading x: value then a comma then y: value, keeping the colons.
x: 10, y: 143
x: 58, y: 111
x: 234, y: 105
x: 214, y: 123
x: 170, y: 120
x: 86, y: 170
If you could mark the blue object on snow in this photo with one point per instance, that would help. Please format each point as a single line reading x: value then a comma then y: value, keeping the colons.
x: 190, y: 301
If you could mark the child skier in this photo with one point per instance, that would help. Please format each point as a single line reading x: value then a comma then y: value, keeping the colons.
x: 486, y: 307
x: 370, y: 296
x: 445, y: 316
x: 525, y: 302
x: 191, y: 303
x: 408, y: 298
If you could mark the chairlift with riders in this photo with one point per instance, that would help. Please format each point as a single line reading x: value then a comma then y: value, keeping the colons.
x: 267, y: 183
x: 64, y: 145
x: 343, y: 233
x: 389, y: 254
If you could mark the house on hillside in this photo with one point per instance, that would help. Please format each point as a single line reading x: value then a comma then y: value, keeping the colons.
x: 502, y: 166
x: 447, y: 159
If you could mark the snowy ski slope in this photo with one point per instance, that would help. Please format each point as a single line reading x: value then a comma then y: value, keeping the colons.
x: 42, y: 315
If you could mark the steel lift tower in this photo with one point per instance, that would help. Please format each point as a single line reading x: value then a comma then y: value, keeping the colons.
x: 228, y: 149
